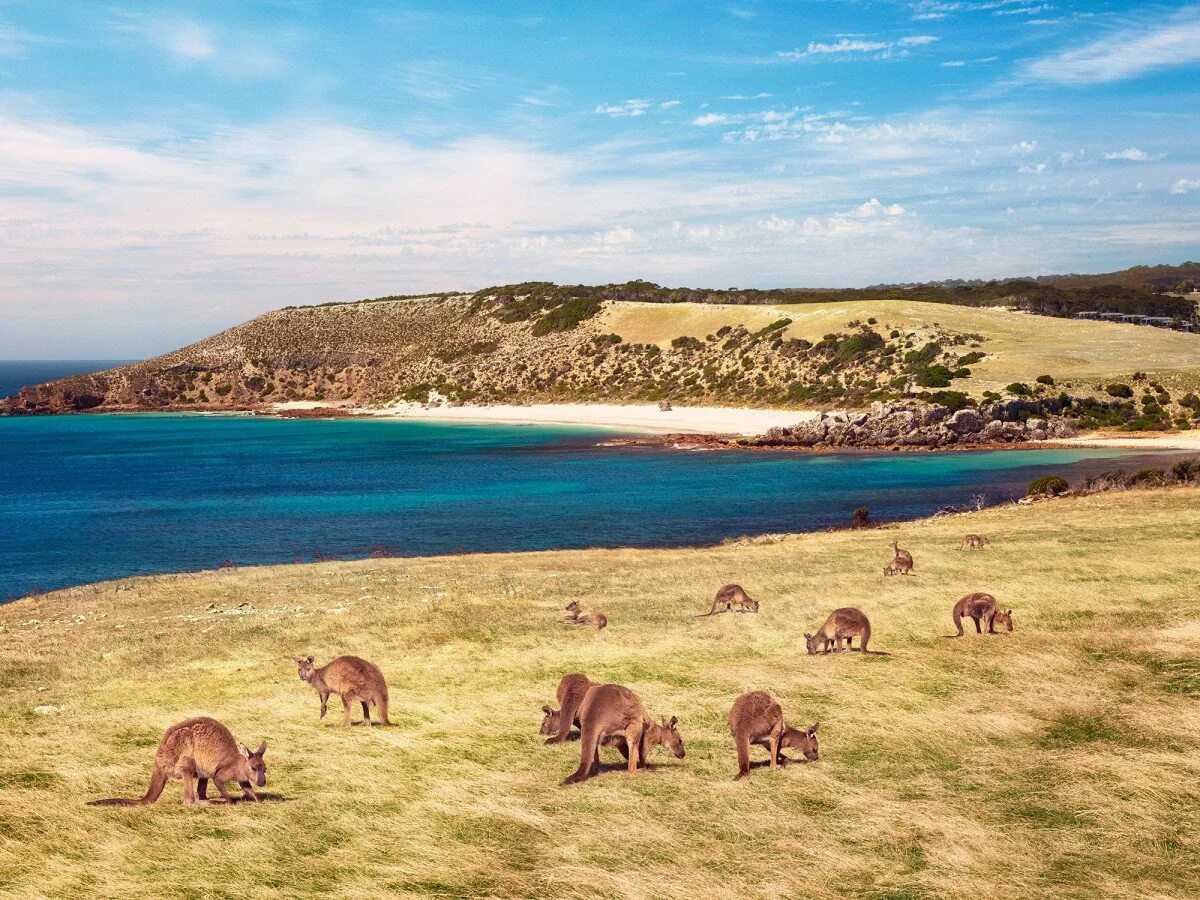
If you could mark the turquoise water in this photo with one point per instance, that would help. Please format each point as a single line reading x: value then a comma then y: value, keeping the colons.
x: 90, y: 497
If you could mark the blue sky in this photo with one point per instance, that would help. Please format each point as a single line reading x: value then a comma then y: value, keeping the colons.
x: 169, y: 169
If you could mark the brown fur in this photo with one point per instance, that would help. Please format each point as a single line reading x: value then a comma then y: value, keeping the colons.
x: 200, y: 748
x: 757, y: 719
x: 352, y: 679
x: 980, y: 607
x: 729, y: 597
x: 902, y: 561
x: 580, y: 616
x: 843, y: 624
x: 613, y: 716
x: 974, y: 542
x: 557, y: 722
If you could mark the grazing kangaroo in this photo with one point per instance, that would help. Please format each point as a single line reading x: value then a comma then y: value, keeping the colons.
x: 902, y: 562
x: 580, y: 616
x: 201, y: 749
x: 665, y: 734
x: 353, y: 679
x: 729, y: 597
x: 612, y: 715
x: 571, y: 691
x: 757, y: 719
x: 974, y: 542
x: 981, y: 607
x: 843, y: 624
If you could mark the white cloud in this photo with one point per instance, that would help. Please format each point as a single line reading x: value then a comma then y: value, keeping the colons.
x: 1126, y: 53
x: 761, y: 95
x: 712, y: 119
x: 667, y: 104
x: 953, y: 64
x: 627, y: 109
x: 1184, y: 185
x: 188, y: 40
x: 847, y: 46
x: 1133, y: 154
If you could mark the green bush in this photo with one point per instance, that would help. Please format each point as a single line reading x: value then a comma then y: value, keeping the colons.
x: 1019, y: 388
x: 1044, y: 379
x: 687, y: 343
x: 969, y: 359
x: 1119, y: 390
x: 1048, y: 485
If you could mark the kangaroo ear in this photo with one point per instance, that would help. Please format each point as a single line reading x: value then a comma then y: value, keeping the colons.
x: 547, y: 710
x: 674, y: 721
x: 310, y: 659
x: 262, y: 748
x: 807, y: 635
x: 813, y: 728
x: 244, y: 750
x: 297, y: 660
x: 1009, y: 613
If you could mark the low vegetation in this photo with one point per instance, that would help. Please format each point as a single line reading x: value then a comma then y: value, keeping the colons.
x: 1054, y: 761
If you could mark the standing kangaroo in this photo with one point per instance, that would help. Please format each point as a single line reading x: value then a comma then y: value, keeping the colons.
x: 845, y: 623
x: 612, y: 716
x: 902, y: 562
x: 731, y: 596
x: 757, y: 719
x: 571, y: 691
x: 981, y: 607
x: 201, y: 749
x: 353, y: 679
x: 974, y: 542
x: 580, y: 616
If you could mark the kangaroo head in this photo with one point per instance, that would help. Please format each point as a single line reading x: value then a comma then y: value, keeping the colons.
x: 573, y: 606
x: 550, y: 720
x: 802, y: 739
x: 305, y: 668
x: 254, y: 762
x: 895, y: 545
x: 1004, y: 618
x: 812, y: 642
x: 751, y: 603
x: 670, y: 736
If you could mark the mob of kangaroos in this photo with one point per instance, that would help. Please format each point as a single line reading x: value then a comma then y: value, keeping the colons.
x: 354, y: 679
x: 200, y: 749
x: 731, y: 597
x: 577, y: 615
x: 902, y: 562
x: 757, y: 719
x: 613, y: 716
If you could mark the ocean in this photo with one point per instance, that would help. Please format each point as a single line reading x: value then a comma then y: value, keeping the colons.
x: 91, y: 497
x: 18, y: 373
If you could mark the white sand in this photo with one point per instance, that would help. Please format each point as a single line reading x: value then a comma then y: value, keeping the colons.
x: 631, y: 417
x: 1183, y: 440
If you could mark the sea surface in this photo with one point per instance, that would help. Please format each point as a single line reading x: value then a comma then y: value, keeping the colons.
x: 91, y: 497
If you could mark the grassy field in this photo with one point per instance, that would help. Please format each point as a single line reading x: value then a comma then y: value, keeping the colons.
x: 1021, y: 346
x: 1057, y: 761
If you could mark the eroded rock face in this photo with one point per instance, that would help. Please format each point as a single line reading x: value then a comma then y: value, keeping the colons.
x: 919, y: 425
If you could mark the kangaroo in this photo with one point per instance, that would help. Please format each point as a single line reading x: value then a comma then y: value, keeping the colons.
x: 981, y: 607
x: 580, y: 616
x: 974, y: 542
x: 351, y: 678
x: 729, y: 597
x: 902, y: 562
x: 757, y: 719
x: 201, y: 749
x: 845, y: 623
x: 557, y: 722
x: 612, y: 716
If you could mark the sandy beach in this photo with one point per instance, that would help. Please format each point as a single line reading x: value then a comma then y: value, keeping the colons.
x: 1180, y: 440
x: 643, y: 417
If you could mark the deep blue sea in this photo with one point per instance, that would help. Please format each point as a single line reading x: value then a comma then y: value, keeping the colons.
x: 18, y: 373
x: 91, y: 497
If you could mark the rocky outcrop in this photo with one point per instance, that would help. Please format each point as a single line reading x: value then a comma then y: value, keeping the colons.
x: 919, y: 425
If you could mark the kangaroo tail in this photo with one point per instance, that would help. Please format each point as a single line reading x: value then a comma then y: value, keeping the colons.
x: 958, y: 623
x: 743, y: 753
x: 590, y: 739
x: 158, y: 781
x: 381, y: 709
x: 866, y: 636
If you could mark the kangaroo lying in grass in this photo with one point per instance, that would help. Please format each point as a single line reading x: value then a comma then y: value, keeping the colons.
x: 902, y: 561
x: 974, y: 542
x: 757, y: 719
x: 981, y: 607
x: 557, y: 722
x: 613, y: 716
x: 731, y: 596
x: 846, y: 624
x: 353, y: 679
x: 201, y: 749
x: 580, y: 616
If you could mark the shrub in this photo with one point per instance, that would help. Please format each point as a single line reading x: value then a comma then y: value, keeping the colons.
x: 1019, y: 388
x: 1148, y: 476
x: 1119, y: 390
x: 687, y: 343
x: 1045, y: 379
x: 861, y: 518
x: 1047, y: 485
x: 969, y: 359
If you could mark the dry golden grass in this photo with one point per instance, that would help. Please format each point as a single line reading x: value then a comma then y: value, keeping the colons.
x: 1060, y: 760
x: 1021, y: 346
